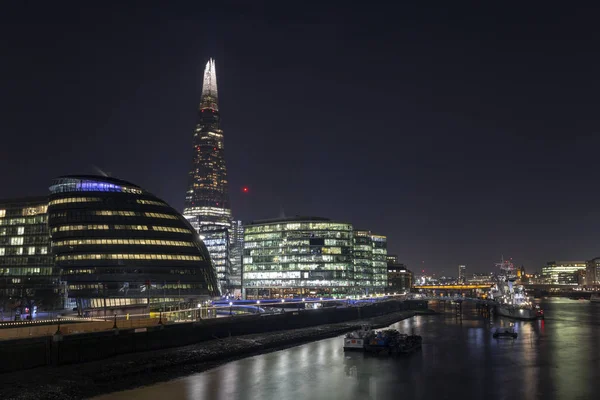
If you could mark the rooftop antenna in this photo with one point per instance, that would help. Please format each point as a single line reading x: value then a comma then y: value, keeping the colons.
x: 281, y: 212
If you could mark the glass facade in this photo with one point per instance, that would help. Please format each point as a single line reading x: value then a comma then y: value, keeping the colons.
x: 298, y: 257
x: 237, y: 248
x: 370, y: 262
x: 562, y: 272
x: 207, y: 198
x: 27, y: 272
x: 217, y: 244
x: 125, y: 248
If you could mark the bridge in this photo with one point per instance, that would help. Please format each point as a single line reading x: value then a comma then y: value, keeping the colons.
x: 455, y: 287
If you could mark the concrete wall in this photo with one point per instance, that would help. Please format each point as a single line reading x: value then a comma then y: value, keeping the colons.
x: 75, y: 348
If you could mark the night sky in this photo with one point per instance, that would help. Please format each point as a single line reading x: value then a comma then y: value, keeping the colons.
x: 462, y: 134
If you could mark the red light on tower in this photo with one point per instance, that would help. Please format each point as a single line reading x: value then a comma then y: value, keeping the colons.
x: 245, y: 189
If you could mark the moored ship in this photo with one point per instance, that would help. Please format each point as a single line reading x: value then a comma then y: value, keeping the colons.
x: 511, y: 299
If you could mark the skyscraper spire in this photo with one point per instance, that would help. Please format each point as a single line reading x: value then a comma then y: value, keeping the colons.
x: 209, y: 87
x: 207, y: 198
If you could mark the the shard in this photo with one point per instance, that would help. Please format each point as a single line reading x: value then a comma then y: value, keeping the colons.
x: 207, y: 198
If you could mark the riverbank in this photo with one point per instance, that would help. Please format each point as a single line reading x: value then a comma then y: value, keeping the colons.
x: 139, y: 369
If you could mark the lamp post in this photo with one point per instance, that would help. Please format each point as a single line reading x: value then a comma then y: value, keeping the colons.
x: 230, y: 308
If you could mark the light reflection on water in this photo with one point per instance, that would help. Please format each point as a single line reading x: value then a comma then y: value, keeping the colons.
x: 553, y: 359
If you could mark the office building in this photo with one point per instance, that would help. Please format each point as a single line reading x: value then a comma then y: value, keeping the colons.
x: 236, y: 251
x: 563, y: 272
x: 370, y: 262
x: 399, y: 278
x: 121, y: 249
x: 298, y: 257
x: 462, y: 270
x: 207, y: 198
x: 28, y: 277
x: 392, y: 259
x: 592, y: 275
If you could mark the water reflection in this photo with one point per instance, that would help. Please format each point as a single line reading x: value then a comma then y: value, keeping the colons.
x: 552, y: 359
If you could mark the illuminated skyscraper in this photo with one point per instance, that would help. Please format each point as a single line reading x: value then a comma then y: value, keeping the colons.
x: 207, y: 198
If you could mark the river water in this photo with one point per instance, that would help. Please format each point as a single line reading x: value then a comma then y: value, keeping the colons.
x: 555, y: 358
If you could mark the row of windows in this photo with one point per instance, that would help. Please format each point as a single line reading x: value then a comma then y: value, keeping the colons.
x: 31, y: 250
x: 151, y: 242
x: 73, y: 200
x: 114, y: 271
x: 296, y: 226
x: 38, y: 219
x: 77, y: 257
x: 159, y: 215
x: 152, y: 202
x: 107, y: 213
x: 170, y: 229
x: 110, y: 213
x: 26, y: 271
x: 66, y: 228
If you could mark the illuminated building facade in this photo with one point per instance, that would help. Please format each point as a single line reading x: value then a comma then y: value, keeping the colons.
x: 592, y: 276
x: 121, y: 248
x: 563, y: 272
x: 370, y: 262
x: 298, y: 256
x: 399, y: 278
x: 462, y: 271
x: 237, y: 248
x: 207, y: 198
x: 27, y: 272
x: 217, y: 244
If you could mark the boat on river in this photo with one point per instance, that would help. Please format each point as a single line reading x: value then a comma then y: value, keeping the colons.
x: 390, y: 341
x: 355, y: 341
x: 511, y: 299
x: 505, y: 333
x: 595, y: 298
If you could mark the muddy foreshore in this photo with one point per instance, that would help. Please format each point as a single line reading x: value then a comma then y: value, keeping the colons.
x: 81, y: 381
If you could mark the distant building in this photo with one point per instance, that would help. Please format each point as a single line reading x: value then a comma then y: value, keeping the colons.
x: 462, y: 270
x: 480, y: 279
x: 399, y: 278
x: 298, y: 256
x: 593, y: 272
x: 392, y: 259
x: 122, y: 249
x: 370, y: 262
x: 563, y: 272
x: 236, y: 250
x: 27, y: 273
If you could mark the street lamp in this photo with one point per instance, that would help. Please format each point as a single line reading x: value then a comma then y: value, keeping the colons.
x: 230, y: 308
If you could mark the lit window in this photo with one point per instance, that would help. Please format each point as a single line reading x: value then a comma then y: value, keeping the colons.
x: 19, y: 251
x: 44, y: 250
x: 35, y: 210
x: 2, y: 213
x: 16, y: 241
x: 20, y: 230
x: 31, y: 250
x: 2, y: 251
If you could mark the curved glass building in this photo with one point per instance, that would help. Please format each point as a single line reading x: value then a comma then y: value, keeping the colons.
x: 300, y: 256
x: 120, y: 247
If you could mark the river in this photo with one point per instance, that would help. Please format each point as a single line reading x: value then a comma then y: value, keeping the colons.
x: 555, y: 358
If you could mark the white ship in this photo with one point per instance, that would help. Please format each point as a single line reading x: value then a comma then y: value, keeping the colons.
x: 512, y: 301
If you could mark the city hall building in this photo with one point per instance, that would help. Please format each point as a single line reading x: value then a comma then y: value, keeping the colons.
x: 121, y: 248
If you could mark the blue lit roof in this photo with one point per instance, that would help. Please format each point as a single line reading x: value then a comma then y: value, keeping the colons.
x: 92, y: 183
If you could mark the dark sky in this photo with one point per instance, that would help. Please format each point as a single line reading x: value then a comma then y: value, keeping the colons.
x: 462, y: 134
